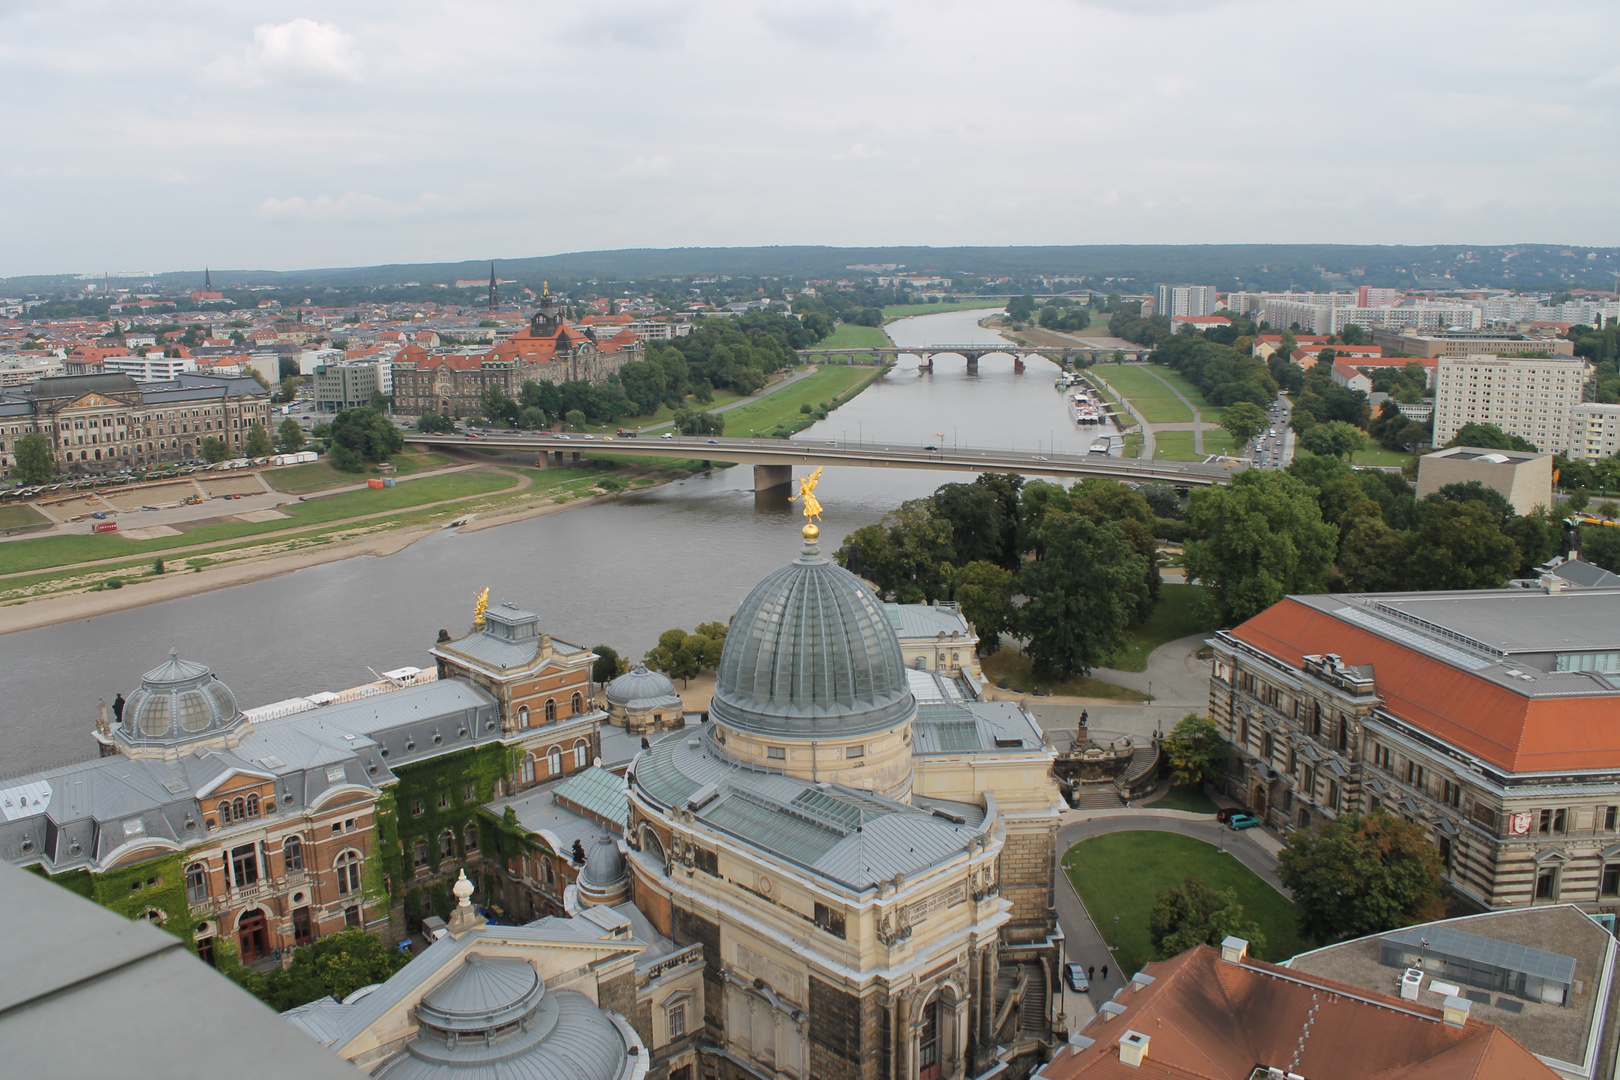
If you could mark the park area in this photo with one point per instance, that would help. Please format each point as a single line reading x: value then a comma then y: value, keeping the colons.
x: 1121, y: 873
x: 1154, y: 401
x: 832, y: 384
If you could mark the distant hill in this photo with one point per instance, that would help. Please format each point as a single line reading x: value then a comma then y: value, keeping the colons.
x: 1227, y: 266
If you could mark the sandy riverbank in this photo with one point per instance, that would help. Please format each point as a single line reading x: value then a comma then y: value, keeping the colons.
x: 140, y: 591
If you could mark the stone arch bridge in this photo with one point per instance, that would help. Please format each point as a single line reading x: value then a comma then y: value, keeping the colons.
x: 1064, y: 356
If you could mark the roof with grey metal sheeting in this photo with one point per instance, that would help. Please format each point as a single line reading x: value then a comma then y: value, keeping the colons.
x: 988, y: 727
x: 927, y: 621
x: 846, y: 835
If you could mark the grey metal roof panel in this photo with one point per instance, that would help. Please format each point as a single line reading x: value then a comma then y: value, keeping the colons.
x: 538, y: 812
x: 928, y: 620
x: 492, y: 652
x: 599, y: 791
x: 1448, y: 941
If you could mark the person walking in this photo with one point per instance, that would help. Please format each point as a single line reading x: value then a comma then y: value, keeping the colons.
x: 1091, y: 973
x: 1105, y: 972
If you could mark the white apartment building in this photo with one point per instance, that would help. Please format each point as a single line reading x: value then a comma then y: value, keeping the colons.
x: 1420, y: 317
x: 153, y: 367
x: 1254, y: 303
x: 651, y: 330
x: 1594, y: 432
x: 1533, y: 399
x: 1173, y: 300
x: 1312, y: 313
x: 1509, y: 310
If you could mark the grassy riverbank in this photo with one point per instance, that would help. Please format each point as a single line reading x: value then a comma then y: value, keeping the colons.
x: 1153, y: 400
x: 828, y: 388
x: 852, y: 336
x: 906, y: 311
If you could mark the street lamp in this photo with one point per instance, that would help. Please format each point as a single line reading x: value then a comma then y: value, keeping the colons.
x: 1150, y: 692
x: 1116, y: 933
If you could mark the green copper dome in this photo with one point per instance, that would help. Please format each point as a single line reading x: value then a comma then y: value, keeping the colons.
x: 811, y: 653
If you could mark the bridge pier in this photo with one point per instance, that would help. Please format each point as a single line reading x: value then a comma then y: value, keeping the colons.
x: 1018, y: 364
x: 973, y: 365
x: 772, y: 476
x: 576, y: 457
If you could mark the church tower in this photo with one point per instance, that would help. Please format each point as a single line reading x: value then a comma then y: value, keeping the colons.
x: 492, y: 289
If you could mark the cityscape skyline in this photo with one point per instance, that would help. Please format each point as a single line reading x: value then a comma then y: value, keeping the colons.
x: 265, y: 136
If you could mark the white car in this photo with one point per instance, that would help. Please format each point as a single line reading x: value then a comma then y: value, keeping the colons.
x: 667, y: 435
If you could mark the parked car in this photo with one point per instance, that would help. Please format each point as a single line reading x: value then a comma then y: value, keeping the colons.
x: 1225, y: 816
x: 1076, y: 974
x: 1243, y: 821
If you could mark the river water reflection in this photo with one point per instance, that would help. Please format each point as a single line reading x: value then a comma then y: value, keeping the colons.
x: 619, y: 573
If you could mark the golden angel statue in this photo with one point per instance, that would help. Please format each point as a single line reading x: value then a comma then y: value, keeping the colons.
x: 807, y: 495
x: 480, y: 605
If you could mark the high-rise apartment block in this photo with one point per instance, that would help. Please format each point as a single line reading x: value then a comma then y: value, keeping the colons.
x: 1594, y: 431
x: 1374, y: 296
x: 1532, y: 398
x: 1173, y: 300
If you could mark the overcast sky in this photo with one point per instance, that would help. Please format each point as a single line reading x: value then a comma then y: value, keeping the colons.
x: 165, y: 135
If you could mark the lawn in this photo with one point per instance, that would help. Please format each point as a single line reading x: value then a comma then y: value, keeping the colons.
x: 1211, y: 414
x: 852, y: 336
x: 22, y: 556
x: 1121, y: 873
x: 664, y: 414
x: 1378, y: 456
x: 1177, y: 615
x: 906, y: 311
x: 21, y: 516
x: 1017, y: 671
x: 1153, y: 400
x: 760, y: 416
x: 1191, y: 799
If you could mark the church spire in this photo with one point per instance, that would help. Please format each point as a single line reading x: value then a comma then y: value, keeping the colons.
x: 492, y: 286
x: 208, y: 280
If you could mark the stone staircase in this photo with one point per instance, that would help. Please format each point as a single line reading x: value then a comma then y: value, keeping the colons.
x: 1032, y: 1010
x: 1100, y: 795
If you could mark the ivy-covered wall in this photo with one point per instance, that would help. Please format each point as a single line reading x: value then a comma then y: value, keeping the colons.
x: 157, y: 884
x: 423, y: 783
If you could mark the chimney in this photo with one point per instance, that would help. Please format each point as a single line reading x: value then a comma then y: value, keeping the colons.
x: 1552, y: 584
x: 1133, y: 1048
x: 1234, y: 949
x: 1455, y: 1011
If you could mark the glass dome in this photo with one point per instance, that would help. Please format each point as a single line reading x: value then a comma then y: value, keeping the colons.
x: 177, y: 701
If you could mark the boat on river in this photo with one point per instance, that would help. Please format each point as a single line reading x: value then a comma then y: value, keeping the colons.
x: 1085, y: 407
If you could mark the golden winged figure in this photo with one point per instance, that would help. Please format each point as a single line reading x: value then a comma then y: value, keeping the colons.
x: 807, y: 495
x: 480, y: 605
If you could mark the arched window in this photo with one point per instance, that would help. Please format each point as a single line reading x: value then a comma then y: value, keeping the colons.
x: 224, y: 809
x: 348, y: 873
x: 253, y: 805
x: 554, y: 761
x: 551, y: 710
x: 470, y: 838
x: 292, y: 851
x: 578, y: 703
x: 419, y: 854
x: 523, y: 716
x: 196, y: 883
x: 580, y: 750
x: 447, y: 844
x: 238, y: 808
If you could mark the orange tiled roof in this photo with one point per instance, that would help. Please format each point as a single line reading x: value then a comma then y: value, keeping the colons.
x: 1493, y: 722
x: 1209, y: 1019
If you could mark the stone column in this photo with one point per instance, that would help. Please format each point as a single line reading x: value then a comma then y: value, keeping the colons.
x: 903, y: 1068
x: 987, y: 1007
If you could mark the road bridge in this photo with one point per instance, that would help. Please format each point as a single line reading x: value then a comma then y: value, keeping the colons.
x: 1065, y: 355
x: 774, y: 459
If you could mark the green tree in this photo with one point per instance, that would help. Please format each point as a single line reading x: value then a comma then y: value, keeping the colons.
x: 984, y: 590
x: 336, y: 965
x: 676, y: 655
x: 1083, y: 592
x: 289, y: 436
x: 432, y: 423
x: 1193, y: 913
x: 1373, y: 557
x: 1244, y: 420
x: 1256, y: 540
x: 1361, y: 874
x: 34, y: 462
x: 607, y: 663
x: 690, y: 422
x: 363, y: 434
x: 289, y: 388
x: 380, y: 401
x: 1474, y: 491
x: 1460, y: 545
x: 214, y: 450
x: 1333, y: 439
x: 1196, y: 751
x: 907, y: 555
x: 258, y: 442
x: 1490, y: 437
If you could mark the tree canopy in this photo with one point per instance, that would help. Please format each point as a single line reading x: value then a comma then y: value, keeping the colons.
x: 336, y: 965
x: 1256, y: 540
x: 1244, y: 420
x: 35, y: 465
x: 361, y: 435
x: 1359, y: 874
x: 1194, y: 913
x: 1196, y: 751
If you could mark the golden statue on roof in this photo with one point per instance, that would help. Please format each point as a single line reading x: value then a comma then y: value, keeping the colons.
x: 480, y: 605
x: 810, y: 505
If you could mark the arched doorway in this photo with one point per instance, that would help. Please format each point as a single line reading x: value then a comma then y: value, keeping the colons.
x: 928, y: 1043
x: 1260, y: 802
x: 253, y: 936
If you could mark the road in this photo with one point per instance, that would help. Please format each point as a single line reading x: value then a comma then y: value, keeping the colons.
x: 843, y: 452
x: 1274, y: 448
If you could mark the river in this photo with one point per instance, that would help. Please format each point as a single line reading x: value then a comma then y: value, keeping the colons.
x: 618, y: 573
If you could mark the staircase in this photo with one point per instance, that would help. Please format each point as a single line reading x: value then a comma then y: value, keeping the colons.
x: 1139, y: 771
x: 1101, y: 795
x: 1032, y: 1022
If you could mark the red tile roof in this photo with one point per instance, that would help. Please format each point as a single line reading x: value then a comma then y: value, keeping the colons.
x: 1207, y: 1019
x: 1493, y: 722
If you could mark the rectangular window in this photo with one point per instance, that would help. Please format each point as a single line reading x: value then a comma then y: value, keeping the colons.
x: 1547, y: 884
x: 1609, y: 815
x: 467, y: 793
x: 829, y: 920
x: 444, y: 800
x: 416, y: 807
x: 677, y: 1020
x: 351, y: 916
x: 854, y: 751
x: 1611, y: 880
x: 245, y: 865
x: 1451, y: 793
x: 776, y: 753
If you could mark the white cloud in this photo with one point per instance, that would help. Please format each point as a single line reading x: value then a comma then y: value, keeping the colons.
x: 828, y: 25
x: 648, y: 167
x: 299, y: 51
